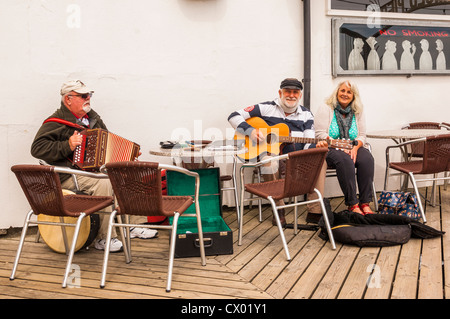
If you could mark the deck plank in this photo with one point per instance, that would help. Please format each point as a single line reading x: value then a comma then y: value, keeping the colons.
x: 419, y: 269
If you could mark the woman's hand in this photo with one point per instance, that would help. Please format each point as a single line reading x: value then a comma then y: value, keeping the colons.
x: 321, y: 144
x: 354, y: 151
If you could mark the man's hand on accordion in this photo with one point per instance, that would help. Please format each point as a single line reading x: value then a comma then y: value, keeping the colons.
x: 75, y: 140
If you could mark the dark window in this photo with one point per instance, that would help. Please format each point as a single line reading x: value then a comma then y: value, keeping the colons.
x: 439, y: 7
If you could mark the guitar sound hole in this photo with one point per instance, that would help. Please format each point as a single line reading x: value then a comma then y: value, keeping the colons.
x: 271, y: 138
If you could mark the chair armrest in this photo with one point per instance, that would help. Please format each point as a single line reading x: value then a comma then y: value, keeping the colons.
x: 267, y: 160
x: 417, y: 140
x: 258, y: 164
x: 66, y: 170
x: 72, y: 171
x: 368, y: 146
x: 400, y: 145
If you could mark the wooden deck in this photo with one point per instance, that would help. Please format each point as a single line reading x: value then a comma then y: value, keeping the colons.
x: 258, y: 269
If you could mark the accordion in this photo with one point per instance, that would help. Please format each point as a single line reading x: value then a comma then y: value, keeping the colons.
x: 100, y: 147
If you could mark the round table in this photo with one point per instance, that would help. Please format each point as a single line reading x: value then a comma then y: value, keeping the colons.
x: 197, y: 157
x: 399, y: 135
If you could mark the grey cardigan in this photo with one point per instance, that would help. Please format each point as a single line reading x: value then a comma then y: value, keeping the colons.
x: 324, y: 116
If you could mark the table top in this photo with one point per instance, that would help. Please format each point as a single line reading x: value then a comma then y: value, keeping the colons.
x: 407, y: 134
x: 195, y: 152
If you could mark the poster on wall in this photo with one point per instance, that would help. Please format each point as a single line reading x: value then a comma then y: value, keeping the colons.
x: 390, y: 47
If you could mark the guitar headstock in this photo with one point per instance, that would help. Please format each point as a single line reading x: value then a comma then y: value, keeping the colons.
x: 341, y: 144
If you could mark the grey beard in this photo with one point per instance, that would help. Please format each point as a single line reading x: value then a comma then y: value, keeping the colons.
x: 86, y: 108
x: 288, y: 109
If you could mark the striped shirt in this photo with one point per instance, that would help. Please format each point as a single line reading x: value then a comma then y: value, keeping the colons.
x: 300, y: 123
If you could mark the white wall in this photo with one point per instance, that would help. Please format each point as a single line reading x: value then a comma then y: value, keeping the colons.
x: 160, y: 65
x: 154, y: 65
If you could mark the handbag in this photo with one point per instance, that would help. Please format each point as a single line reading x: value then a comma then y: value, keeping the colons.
x: 399, y: 203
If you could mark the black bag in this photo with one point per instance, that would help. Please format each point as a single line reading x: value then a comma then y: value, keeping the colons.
x: 372, y: 235
x: 375, y: 230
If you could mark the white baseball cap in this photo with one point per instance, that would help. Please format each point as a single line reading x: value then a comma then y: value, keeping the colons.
x: 76, y: 86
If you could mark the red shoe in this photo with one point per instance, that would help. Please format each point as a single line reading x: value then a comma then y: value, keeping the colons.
x: 366, y: 209
x: 355, y: 209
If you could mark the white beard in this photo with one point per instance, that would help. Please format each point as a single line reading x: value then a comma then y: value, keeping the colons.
x: 287, y: 108
x: 86, y: 107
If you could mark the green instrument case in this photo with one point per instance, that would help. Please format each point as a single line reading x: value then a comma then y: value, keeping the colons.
x: 217, y: 236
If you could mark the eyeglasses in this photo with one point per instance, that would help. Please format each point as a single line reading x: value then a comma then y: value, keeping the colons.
x: 83, y: 96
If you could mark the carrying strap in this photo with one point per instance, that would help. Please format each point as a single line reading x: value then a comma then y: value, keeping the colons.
x: 61, y: 121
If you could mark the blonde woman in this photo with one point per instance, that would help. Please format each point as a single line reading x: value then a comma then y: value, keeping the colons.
x: 343, y: 118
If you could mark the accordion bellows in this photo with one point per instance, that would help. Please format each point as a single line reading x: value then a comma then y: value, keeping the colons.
x: 100, y: 147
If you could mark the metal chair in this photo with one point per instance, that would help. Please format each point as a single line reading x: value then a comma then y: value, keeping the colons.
x: 416, y: 149
x: 436, y: 155
x: 137, y: 187
x: 43, y: 191
x: 302, y: 170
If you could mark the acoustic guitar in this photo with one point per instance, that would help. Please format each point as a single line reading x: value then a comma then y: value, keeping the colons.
x: 275, y: 136
x: 53, y: 236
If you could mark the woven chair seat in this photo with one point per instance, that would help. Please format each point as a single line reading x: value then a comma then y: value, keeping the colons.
x: 176, y: 203
x: 170, y: 204
x: 407, y: 167
x: 264, y: 190
x: 76, y: 204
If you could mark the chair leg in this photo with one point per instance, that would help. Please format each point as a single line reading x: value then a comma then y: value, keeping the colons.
x: 295, y: 215
x: 241, y: 210
x: 416, y: 190
x: 325, y: 217
x: 172, y: 251
x: 259, y: 200
x: 21, y: 242
x: 128, y: 237
x: 64, y: 235
x: 375, y: 199
x: 235, y: 187
x: 200, y: 234
x: 125, y: 237
x: 280, y: 228
x: 446, y: 174
x: 72, y: 248
x: 250, y: 203
x: 108, y: 244
x: 434, y: 189
x: 386, y: 176
x: 257, y: 171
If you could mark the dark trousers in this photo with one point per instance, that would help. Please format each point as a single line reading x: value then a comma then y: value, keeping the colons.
x: 350, y: 174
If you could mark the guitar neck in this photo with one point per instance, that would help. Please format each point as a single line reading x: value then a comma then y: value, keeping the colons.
x: 289, y: 139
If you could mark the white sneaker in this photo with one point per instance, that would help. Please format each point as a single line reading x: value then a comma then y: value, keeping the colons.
x: 143, y: 233
x: 115, y: 245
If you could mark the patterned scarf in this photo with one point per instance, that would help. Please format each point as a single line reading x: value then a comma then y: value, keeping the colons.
x: 344, y: 123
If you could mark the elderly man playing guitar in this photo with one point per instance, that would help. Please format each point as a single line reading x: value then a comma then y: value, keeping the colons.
x: 295, y: 126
